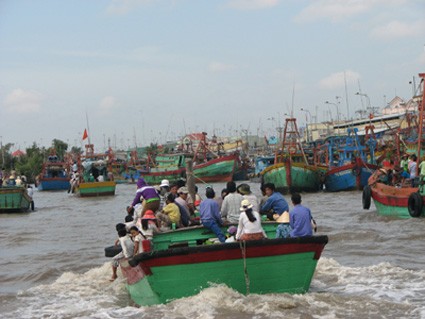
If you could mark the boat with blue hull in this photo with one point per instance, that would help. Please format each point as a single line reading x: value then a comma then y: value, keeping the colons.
x: 54, y: 175
x: 351, y: 163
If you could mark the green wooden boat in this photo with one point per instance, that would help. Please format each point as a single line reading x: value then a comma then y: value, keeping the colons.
x: 181, y: 265
x: 14, y: 199
x: 93, y: 189
x: 294, y: 177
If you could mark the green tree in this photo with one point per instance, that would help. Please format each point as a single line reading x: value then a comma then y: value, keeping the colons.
x: 59, y: 147
x: 31, y: 163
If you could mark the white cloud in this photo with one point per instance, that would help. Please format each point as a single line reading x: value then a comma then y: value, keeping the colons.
x: 220, y: 67
x: 397, y: 29
x: 121, y: 7
x: 337, y: 80
x: 337, y: 10
x: 107, y: 104
x: 22, y: 101
x: 252, y: 4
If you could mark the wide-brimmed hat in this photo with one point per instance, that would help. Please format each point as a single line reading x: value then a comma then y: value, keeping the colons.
x: 149, y: 215
x: 245, y: 204
x: 183, y: 190
x: 165, y: 183
x: 284, y: 218
x: 244, y: 189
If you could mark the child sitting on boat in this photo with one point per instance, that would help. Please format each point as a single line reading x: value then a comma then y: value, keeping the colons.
x: 127, y: 246
x: 139, y: 241
x: 149, y: 225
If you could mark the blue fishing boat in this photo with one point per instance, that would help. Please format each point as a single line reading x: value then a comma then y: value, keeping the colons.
x: 54, y: 175
x: 350, y: 163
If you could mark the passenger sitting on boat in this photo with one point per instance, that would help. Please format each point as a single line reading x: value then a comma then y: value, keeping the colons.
x: 246, y: 193
x: 275, y: 203
x: 284, y: 228
x: 100, y: 178
x: 210, y: 214
x: 164, y: 188
x: 149, y: 225
x: 220, y: 199
x: 91, y: 178
x: 148, y: 194
x: 249, y: 227
x: 173, y: 189
x: 127, y: 246
x: 300, y: 218
x: 230, y: 209
x: 138, y: 239
x: 18, y: 181
x: 170, y: 214
x: 183, y: 206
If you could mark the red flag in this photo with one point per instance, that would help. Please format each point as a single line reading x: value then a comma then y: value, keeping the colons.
x: 85, y: 135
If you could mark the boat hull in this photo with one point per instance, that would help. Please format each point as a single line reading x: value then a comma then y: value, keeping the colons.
x: 51, y: 184
x: 393, y: 201
x: 14, y: 199
x: 348, y: 177
x: 293, y: 177
x: 247, y: 267
x: 217, y: 170
x: 94, y: 189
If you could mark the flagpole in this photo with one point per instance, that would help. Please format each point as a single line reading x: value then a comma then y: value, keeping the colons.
x: 88, y: 129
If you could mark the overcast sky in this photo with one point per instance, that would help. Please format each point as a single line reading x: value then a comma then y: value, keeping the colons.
x: 150, y: 70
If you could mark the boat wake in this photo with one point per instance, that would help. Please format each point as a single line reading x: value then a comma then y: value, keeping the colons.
x: 337, y: 291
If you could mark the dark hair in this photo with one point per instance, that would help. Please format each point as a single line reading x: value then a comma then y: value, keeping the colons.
x: 209, y: 192
x: 231, y: 187
x: 180, y: 183
x: 196, y: 189
x: 250, y: 215
x: 134, y: 228
x: 131, y: 211
x: 171, y: 197
x: 269, y: 186
x: 296, y: 198
x: 122, y: 232
x: 119, y: 226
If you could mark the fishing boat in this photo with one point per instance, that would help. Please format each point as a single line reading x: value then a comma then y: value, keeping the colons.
x: 350, y: 164
x: 94, y: 177
x: 54, y: 174
x: 403, y: 199
x: 14, y: 199
x: 291, y: 171
x: 181, y: 265
x: 208, y: 166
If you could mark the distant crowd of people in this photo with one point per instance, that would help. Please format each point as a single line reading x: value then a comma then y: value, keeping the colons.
x: 170, y: 206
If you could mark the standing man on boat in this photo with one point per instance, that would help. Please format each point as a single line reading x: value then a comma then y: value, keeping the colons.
x: 275, y: 203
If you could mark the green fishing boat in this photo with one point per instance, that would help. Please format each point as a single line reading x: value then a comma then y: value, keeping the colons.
x: 14, y: 199
x: 181, y: 265
x: 291, y: 171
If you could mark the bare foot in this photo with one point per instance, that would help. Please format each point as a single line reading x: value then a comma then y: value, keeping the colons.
x: 113, y: 278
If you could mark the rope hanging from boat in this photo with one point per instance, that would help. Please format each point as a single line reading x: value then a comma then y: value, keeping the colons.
x: 242, y: 245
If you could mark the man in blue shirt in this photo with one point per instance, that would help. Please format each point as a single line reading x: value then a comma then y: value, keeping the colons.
x: 275, y: 204
x: 300, y: 218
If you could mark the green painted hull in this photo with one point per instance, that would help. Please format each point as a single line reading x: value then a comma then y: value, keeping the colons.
x: 14, y: 199
x: 265, y: 276
x: 302, y: 178
x: 217, y: 170
x: 393, y: 211
x: 94, y: 189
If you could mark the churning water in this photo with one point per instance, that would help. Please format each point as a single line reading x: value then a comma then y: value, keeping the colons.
x: 53, y: 266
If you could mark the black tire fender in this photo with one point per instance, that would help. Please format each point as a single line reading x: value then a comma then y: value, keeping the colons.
x: 415, y: 204
x: 366, y: 197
